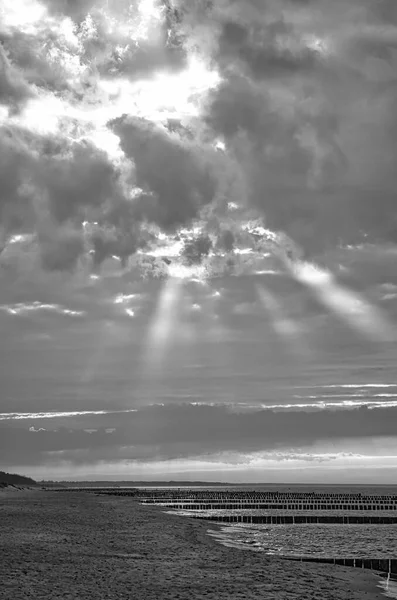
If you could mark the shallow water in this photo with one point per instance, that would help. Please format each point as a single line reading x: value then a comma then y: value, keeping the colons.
x: 389, y: 587
x: 324, y: 540
x: 327, y: 541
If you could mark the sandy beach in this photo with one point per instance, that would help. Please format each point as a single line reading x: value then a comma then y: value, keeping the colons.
x: 75, y: 545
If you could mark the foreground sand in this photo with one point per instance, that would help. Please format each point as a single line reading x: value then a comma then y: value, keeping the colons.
x: 77, y: 545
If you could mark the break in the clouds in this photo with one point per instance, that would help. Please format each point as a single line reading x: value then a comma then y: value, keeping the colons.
x: 196, y: 183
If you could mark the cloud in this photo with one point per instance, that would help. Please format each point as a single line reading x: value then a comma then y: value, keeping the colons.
x: 124, y: 39
x: 59, y: 415
x: 68, y: 176
x: 75, y: 177
x: 22, y: 308
x: 76, y: 9
x: 318, y: 157
x: 160, y: 432
x: 48, y: 58
x: 14, y: 91
x: 60, y: 249
x: 177, y: 177
x: 16, y: 209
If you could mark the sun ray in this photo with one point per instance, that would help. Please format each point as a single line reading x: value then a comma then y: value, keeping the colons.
x: 350, y: 306
x: 164, y: 321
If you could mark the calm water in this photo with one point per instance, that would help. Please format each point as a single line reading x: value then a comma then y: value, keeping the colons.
x: 328, y: 541
x: 323, y: 540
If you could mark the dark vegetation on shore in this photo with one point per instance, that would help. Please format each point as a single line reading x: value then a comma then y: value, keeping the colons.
x: 7, y: 479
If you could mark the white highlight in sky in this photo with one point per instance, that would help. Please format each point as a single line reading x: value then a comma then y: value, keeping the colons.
x: 353, y: 385
x: 22, y: 14
x: 177, y: 270
x: 19, y: 238
x: 164, y: 96
x: 157, y: 98
x: 123, y: 298
x: 58, y: 414
x: 345, y: 395
x: 21, y: 308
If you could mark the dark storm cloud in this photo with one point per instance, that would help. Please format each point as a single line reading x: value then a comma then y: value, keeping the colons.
x: 257, y: 50
x: 122, y: 242
x: 49, y: 184
x: 13, y: 88
x: 185, y: 431
x: 60, y: 248
x: 79, y: 175
x: 75, y: 9
x: 176, y: 175
x: 308, y: 105
x: 69, y: 175
x: 31, y: 55
x: 16, y: 209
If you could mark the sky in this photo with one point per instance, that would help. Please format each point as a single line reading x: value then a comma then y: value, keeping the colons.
x: 198, y: 240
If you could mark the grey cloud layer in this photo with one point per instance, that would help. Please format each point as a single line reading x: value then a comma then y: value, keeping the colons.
x: 177, y: 173
x: 317, y: 114
x: 13, y: 89
x: 184, y: 431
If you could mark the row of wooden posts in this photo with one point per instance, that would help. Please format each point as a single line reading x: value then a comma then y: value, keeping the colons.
x: 384, y: 565
x: 279, y: 506
x: 301, y: 519
x: 230, y: 496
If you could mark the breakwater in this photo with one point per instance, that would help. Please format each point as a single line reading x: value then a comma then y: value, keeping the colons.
x: 318, y: 507
x: 208, y: 500
x: 383, y: 565
x: 285, y: 519
x: 276, y: 505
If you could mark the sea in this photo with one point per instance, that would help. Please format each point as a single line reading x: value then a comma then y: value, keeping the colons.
x: 308, y: 540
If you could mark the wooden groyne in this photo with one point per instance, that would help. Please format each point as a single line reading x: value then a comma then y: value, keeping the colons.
x: 383, y: 565
x: 300, y: 519
x: 276, y: 506
x: 256, y: 496
x: 319, y: 503
x: 230, y: 500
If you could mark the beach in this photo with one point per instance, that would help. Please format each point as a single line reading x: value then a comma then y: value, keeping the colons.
x: 79, y: 545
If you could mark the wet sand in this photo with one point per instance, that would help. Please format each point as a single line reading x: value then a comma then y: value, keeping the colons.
x: 82, y: 546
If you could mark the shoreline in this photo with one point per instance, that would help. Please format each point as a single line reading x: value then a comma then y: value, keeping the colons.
x: 209, y: 537
x: 80, y: 545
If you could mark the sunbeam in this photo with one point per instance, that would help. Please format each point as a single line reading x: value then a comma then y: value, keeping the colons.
x: 357, y: 312
x: 164, y: 321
